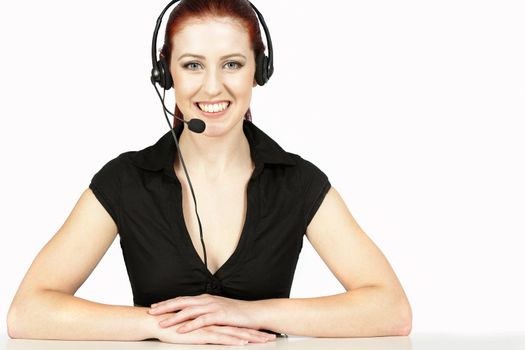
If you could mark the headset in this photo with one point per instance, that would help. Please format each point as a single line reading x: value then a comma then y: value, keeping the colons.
x: 160, y: 74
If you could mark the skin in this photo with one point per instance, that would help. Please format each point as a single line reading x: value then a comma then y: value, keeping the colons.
x: 218, y: 160
x: 222, y: 149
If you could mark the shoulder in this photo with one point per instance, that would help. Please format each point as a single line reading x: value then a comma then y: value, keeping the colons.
x: 118, y: 163
x: 116, y: 168
x: 304, y: 179
x: 306, y: 185
x: 307, y: 170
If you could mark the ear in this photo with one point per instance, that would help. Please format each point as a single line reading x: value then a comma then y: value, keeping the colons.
x: 254, y: 83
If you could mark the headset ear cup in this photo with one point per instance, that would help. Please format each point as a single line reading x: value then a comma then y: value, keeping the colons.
x: 261, y: 69
x: 165, y: 77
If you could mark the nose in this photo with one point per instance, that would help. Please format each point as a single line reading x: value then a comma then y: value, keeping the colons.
x: 213, y: 82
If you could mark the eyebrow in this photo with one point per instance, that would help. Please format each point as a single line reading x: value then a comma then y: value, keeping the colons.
x: 202, y: 57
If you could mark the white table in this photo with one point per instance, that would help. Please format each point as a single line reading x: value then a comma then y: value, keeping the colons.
x: 510, y: 341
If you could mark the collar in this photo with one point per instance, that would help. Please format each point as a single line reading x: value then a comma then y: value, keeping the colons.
x: 161, y: 155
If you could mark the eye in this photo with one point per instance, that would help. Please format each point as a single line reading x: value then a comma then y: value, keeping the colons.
x: 191, y: 65
x: 236, y: 65
x: 194, y: 65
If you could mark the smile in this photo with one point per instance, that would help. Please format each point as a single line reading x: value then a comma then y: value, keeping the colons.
x: 213, y: 107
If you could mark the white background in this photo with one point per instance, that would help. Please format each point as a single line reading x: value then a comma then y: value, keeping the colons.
x: 414, y: 110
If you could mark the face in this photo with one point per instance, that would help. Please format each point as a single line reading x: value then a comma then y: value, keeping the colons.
x: 213, y: 70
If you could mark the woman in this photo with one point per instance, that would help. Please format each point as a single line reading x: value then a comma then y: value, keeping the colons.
x: 256, y: 202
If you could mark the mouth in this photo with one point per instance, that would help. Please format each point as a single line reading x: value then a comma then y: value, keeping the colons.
x: 214, y: 109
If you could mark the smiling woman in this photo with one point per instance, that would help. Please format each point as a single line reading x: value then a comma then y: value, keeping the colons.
x: 257, y: 203
x: 237, y: 13
x: 208, y: 74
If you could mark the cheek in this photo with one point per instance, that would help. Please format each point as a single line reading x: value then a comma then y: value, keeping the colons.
x: 186, y: 84
x: 241, y: 85
x: 240, y: 89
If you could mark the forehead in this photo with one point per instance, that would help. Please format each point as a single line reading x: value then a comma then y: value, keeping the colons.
x: 211, y: 35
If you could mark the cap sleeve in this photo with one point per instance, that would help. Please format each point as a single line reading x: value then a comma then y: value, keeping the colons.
x: 316, y: 185
x: 106, y: 185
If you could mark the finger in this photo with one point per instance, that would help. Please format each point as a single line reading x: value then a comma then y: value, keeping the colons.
x: 162, y: 302
x: 189, y: 313
x: 206, y: 336
x: 251, y: 335
x: 172, y: 305
x: 257, y: 333
x: 199, y: 322
x: 218, y: 338
x: 270, y: 336
x: 180, y: 303
x: 164, y: 306
x: 184, y: 297
x: 173, y: 300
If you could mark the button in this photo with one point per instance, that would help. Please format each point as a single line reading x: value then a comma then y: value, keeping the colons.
x: 213, y: 287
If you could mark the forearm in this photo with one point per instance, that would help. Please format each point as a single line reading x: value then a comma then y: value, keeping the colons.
x: 56, y: 315
x: 363, y: 312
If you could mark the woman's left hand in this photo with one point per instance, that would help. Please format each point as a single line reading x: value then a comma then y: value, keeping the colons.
x: 205, y: 310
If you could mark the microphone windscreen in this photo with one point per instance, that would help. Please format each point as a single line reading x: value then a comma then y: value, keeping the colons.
x: 196, y: 125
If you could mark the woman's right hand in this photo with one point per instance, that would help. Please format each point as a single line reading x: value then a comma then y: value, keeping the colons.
x: 213, y: 334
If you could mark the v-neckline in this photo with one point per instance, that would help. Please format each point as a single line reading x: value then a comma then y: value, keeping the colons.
x: 242, y: 239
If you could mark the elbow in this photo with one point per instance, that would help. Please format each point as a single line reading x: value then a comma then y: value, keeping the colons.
x: 21, y: 314
x: 406, y: 320
x: 12, y: 328
x: 405, y: 331
x: 17, y: 325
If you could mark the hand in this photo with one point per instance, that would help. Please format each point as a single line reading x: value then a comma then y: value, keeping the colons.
x: 205, y: 310
x: 223, y: 335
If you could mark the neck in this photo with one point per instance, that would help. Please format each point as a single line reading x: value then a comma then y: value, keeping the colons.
x: 211, y: 157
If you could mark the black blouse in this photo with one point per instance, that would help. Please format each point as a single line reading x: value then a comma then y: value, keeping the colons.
x: 141, y: 192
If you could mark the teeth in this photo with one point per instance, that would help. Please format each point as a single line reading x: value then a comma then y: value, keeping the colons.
x: 213, y: 108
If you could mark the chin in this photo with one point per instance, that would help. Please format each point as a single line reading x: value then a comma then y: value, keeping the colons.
x: 217, y: 128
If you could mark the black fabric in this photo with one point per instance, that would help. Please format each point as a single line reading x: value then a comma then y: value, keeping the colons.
x: 141, y: 192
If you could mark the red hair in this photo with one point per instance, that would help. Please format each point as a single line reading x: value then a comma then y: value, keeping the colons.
x: 240, y: 10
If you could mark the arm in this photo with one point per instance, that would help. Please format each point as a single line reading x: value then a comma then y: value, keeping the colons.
x: 44, y: 306
x: 56, y: 315
x: 374, y: 303
x: 364, y: 312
